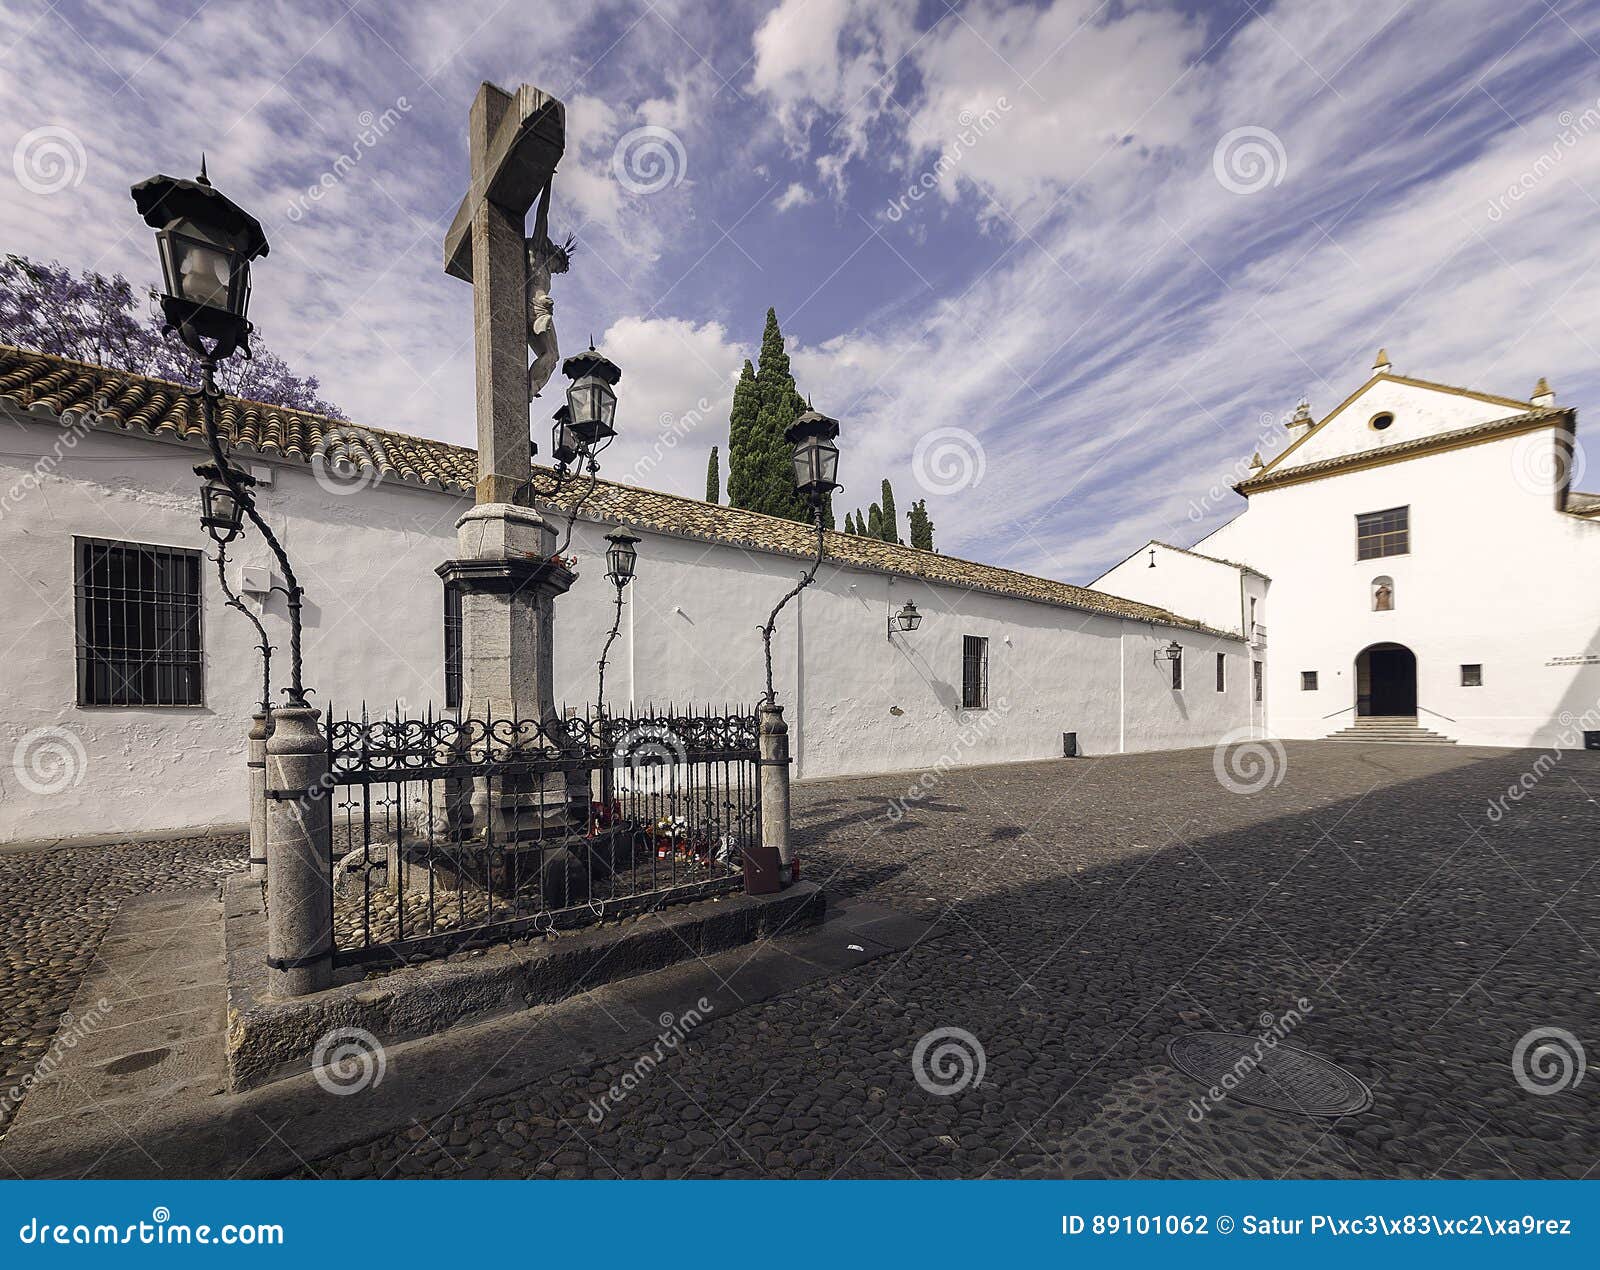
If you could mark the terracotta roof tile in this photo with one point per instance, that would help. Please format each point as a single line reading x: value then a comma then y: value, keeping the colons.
x: 137, y: 403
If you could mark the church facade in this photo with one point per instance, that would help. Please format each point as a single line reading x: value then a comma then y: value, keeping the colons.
x: 128, y: 683
x: 1417, y: 561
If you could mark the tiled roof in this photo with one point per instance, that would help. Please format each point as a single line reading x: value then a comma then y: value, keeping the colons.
x: 1478, y: 432
x: 55, y: 387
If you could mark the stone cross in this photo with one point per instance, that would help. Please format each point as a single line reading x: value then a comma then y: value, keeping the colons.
x: 515, y: 141
x: 504, y: 570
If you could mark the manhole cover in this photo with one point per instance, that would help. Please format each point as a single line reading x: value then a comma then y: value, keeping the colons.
x: 1276, y: 1077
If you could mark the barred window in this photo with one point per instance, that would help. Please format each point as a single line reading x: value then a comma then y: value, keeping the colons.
x: 1308, y: 681
x: 1472, y: 675
x: 1255, y: 679
x: 452, y: 647
x: 1222, y: 672
x: 138, y: 624
x: 974, y: 672
x: 1385, y: 533
x: 1177, y: 671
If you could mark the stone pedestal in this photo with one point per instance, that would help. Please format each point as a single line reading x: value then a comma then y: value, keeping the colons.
x: 774, y: 767
x: 508, y: 584
x: 260, y: 730
x: 299, y: 848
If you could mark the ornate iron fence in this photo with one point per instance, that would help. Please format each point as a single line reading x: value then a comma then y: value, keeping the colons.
x: 449, y: 833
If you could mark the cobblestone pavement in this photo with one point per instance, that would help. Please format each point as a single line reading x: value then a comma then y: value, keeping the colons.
x: 1086, y: 914
x: 55, y: 905
x: 1369, y: 902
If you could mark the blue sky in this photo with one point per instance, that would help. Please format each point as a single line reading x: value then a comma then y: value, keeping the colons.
x: 1058, y: 267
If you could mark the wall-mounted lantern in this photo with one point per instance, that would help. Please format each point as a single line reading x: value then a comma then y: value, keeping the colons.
x: 907, y: 619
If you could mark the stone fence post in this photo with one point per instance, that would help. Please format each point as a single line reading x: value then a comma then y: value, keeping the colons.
x: 260, y: 730
x: 774, y: 788
x: 299, y: 854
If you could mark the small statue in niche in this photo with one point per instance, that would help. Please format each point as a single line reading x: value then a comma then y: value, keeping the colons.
x: 1383, y: 598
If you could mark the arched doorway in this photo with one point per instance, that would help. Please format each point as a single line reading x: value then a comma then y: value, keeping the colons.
x: 1386, y: 680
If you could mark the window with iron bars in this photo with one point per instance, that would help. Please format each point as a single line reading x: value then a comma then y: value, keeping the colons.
x: 138, y: 624
x: 452, y: 647
x: 974, y: 672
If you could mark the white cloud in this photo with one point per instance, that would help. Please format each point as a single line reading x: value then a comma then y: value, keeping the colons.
x: 796, y: 195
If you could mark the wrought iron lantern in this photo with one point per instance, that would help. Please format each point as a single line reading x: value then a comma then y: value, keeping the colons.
x: 816, y: 457
x: 222, y: 511
x: 1172, y: 652
x: 564, y: 447
x: 206, y: 242
x: 907, y: 619
x: 621, y: 556
x: 592, y: 399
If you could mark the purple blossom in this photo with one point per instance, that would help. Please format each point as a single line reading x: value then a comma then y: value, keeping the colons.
x: 91, y: 317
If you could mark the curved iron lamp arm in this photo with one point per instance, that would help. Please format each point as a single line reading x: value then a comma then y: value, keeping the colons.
x: 234, y: 602
x: 810, y: 577
x: 296, y: 691
x: 616, y: 625
x: 577, y: 506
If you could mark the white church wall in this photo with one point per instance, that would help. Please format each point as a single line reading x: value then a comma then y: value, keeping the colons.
x: 373, y: 631
x: 1494, y: 577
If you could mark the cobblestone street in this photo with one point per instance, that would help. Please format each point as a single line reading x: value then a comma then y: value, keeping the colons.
x: 1085, y: 914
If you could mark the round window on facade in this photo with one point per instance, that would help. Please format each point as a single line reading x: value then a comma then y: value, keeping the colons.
x: 1379, y: 422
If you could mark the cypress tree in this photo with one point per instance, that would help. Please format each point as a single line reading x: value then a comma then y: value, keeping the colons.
x: 713, y: 478
x: 742, y: 460
x: 891, y: 521
x: 772, y: 470
x: 920, y: 525
x: 874, y: 521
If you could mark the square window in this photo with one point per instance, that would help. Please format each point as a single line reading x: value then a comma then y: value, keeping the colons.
x: 138, y: 624
x: 1385, y: 533
x: 974, y: 672
x: 1308, y: 681
x: 1472, y: 675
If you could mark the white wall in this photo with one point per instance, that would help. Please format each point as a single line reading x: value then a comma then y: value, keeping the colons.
x: 1209, y: 591
x: 373, y: 631
x: 1495, y: 575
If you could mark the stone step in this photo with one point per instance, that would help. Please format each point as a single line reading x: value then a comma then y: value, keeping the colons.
x: 1390, y: 730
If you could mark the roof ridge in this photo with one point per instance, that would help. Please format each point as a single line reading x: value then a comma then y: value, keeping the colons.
x: 739, y: 526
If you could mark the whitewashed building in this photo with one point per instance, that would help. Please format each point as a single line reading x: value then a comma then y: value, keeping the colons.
x: 128, y: 684
x: 1428, y: 567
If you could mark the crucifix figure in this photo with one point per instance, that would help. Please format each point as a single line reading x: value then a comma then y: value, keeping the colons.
x: 545, y: 258
x: 504, y: 573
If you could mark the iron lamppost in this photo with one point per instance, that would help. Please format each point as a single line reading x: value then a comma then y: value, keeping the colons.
x: 207, y: 242
x: 816, y: 465
x: 583, y: 427
x: 621, y: 556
